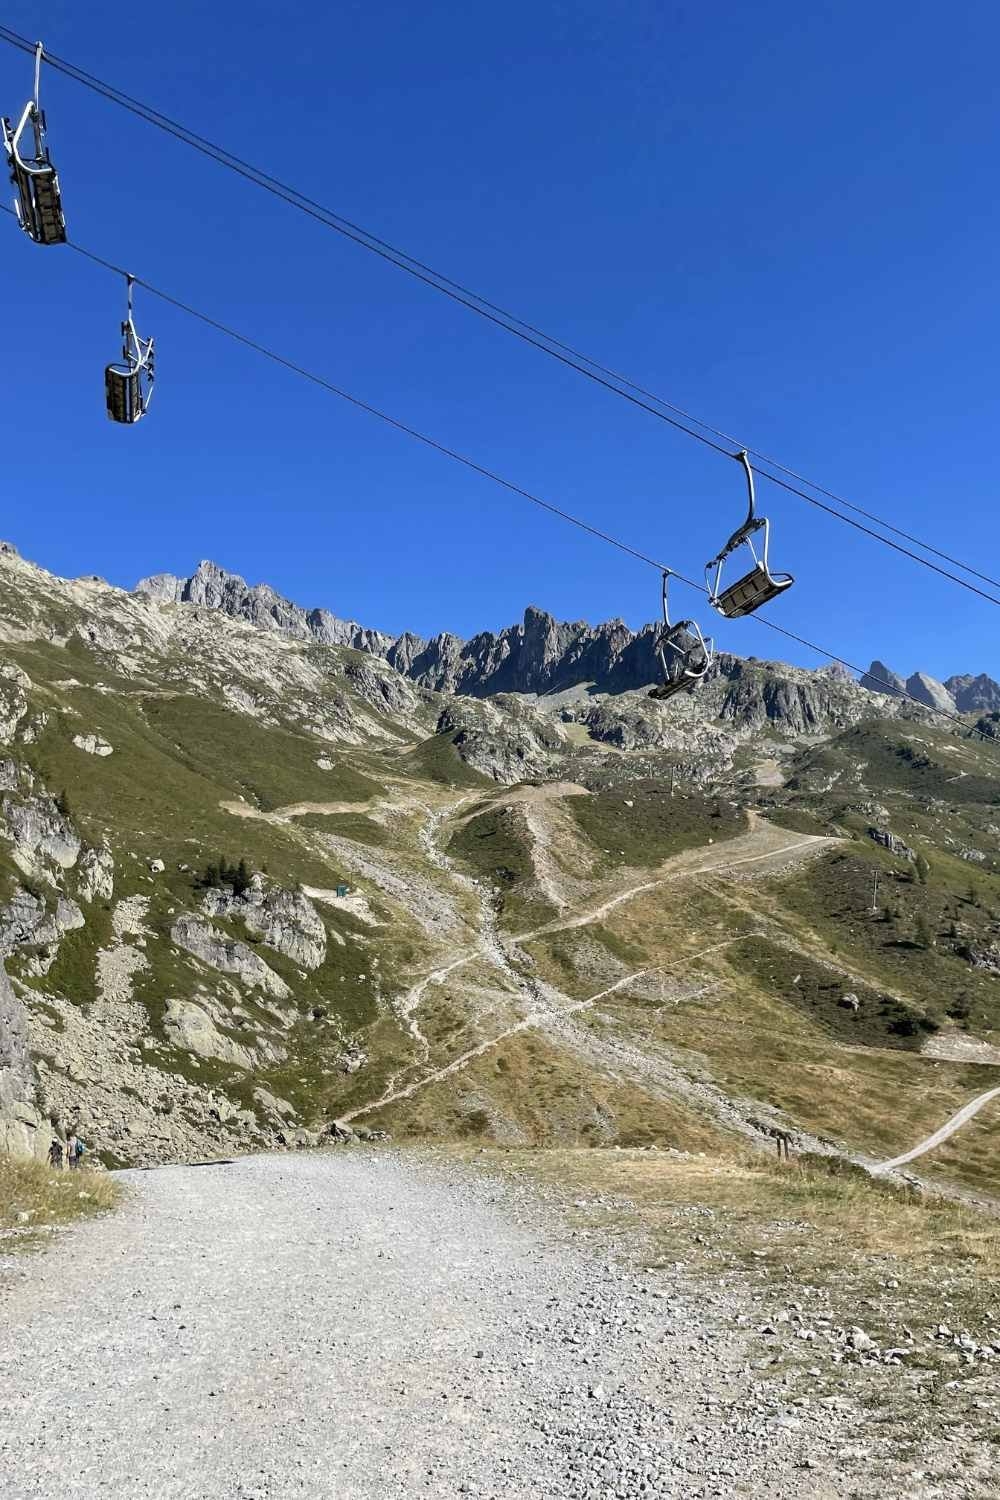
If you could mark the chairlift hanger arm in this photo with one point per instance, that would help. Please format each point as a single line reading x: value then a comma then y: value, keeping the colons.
x: 752, y: 524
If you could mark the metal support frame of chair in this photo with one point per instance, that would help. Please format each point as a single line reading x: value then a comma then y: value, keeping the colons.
x: 760, y: 585
x: 128, y: 386
x: 691, y: 657
x: 38, y: 204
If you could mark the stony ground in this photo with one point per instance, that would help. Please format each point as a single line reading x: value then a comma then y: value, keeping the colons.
x: 362, y: 1325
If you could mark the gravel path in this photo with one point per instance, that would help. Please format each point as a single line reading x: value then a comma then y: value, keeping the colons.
x: 357, y: 1325
x: 942, y: 1133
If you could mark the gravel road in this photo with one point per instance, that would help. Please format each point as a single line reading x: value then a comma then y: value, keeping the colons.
x: 942, y: 1133
x: 361, y: 1325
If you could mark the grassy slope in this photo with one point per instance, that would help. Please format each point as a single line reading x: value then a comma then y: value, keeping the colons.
x: 176, y: 759
x: 51, y: 1198
x: 640, y: 824
x: 436, y: 759
x: 496, y: 846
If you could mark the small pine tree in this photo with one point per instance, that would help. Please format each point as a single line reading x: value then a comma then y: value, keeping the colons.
x: 973, y: 897
x: 923, y: 869
x: 241, y: 879
x: 923, y: 937
x: 62, y: 803
x: 211, y: 876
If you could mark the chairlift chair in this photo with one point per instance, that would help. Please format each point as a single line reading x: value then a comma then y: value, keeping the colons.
x: 760, y: 585
x: 39, y: 201
x: 685, y: 655
x: 128, y: 386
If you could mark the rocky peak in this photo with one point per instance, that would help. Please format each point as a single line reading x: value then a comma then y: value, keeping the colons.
x: 974, y: 694
x: 882, y: 679
x: 929, y: 691
x: 212, y: 587
x: 962, y: 693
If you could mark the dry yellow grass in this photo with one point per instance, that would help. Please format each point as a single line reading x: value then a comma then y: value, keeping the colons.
x: 48, y: 1197
x: 530, y: 1090
x: 766, y: 1204
x: 816, y: 1215
x: 806, y: 1224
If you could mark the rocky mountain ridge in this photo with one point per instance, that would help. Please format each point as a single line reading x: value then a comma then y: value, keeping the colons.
x: 540, y: 655
x: 963, y: 694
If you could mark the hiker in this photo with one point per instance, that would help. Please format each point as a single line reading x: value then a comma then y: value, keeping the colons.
x: 79, y: 1150
x: 71, y: 1156
x: 56, y: 1155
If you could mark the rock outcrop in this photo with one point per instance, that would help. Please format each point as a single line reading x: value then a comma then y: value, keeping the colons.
x: 25, y: 920
x: 96, y: 874
x: 929, y: 691
x: 962, y: 694
x: 892, y: 842
x: 542, y: 655
x: 882, y: 679
x: 192, y: 1029
x: 39, y: 831
x: 974, y: 695
x: 211, y: 587
x: 285, y: 920
x: 24, y: 1129
x: 213, y: 948
x: 93, y: 744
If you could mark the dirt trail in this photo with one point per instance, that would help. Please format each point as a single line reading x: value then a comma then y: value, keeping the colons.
x: 295, y: 809
x: 528, y: 796
x: 960, y: 1118
x: 763, y: 844
x: 551, y: 1009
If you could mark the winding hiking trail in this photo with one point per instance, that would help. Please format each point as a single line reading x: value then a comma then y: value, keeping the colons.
x: 764, y: 843
x: 549, y: 1008
x: 359, y: 1325
x: 942, y: 1133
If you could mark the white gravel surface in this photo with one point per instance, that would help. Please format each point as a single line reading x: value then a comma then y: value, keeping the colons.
x: 359, y: 1325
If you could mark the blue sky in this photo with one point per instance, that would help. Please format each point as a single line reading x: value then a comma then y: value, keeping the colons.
x: 783, y: 217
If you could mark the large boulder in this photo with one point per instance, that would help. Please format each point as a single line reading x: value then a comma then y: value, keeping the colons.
x: 96, y: 874
x: 192, y: 1029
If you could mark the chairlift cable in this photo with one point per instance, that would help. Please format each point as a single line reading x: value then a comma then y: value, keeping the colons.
x: 565, y: 354
x: 507, y: 484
